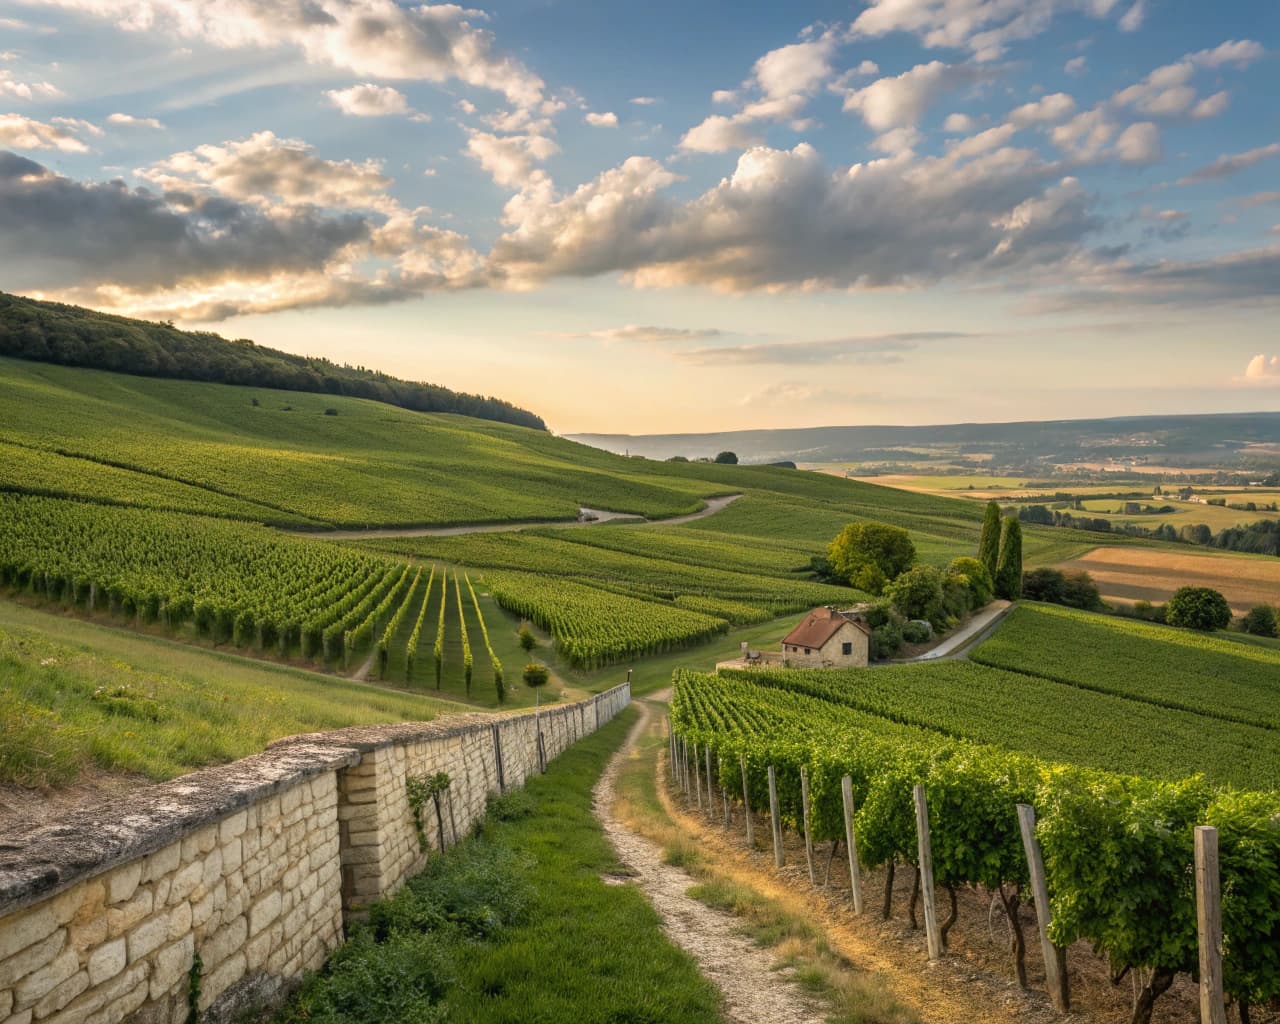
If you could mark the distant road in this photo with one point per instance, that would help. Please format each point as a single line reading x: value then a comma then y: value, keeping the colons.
x: 596, y: 517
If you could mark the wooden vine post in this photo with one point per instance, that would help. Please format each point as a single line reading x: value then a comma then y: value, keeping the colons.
x: 804, y: 808
x: 775, y: 821
x: 1209, y: 926
x: 723, y: 792
x: 711, y: 810
x: 697, y: 777
x: 1055, y: 959
x: 925, y: 853
x: 855, y: 881
x: 746, y: 803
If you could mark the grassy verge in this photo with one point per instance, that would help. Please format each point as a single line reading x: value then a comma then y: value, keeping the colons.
x: 516, y: 925
x: 855, y: 996
x: 74, y: 696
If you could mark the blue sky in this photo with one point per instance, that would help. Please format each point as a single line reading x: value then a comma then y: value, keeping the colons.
x: 671, y: 216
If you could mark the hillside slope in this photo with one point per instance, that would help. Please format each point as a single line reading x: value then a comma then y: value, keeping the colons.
x: 74, y: 336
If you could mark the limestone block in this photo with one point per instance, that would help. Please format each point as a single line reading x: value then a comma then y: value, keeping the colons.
x: 63, y: 993
x: 123, y: 882
x: 232, y: 855
x: 148, y: 937
x: 185, y: 881
x: 38, y: 984
x: 224, y: 942
x: 266, y: 910
x: 89, y: 933
x: 31, y: 959
x: 219, y: 980
x: 107, y: 961
x: 171, y: 965
x: 93, y: 898
x: 179, y: 921
x: 121, y: 919
x: 163, y: 862
x: 232, y: 827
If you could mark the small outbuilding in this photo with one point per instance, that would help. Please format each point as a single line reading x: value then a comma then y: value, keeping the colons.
x: 828, y: 638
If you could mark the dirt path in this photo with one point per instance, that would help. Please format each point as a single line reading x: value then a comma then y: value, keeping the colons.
x: 597, y: 516
x: 755, y: 992
x: 958, y: 644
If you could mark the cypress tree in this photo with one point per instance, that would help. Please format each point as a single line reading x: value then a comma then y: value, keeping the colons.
x: 1009, y: 570
x: 989, y: 542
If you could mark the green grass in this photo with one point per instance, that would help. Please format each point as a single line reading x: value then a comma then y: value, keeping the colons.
x: 77, y: 696
x: 516, y: 925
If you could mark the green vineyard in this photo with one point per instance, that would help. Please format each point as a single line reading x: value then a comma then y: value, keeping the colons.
x: 1117, y: 847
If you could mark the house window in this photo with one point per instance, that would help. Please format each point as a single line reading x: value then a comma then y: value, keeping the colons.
x: 846, y: 649
x: 807, y: 651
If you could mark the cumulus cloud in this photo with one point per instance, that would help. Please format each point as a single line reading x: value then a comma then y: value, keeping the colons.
x: 643, y: 101
x: 900, y: 100
x: 1046, y: 110
x: 784, y: 220
x: 1086, y: 136
x: 860, y: 350
x: 1076, y: 66
x: 26, y: 133
x: 1167, y: 91
x: 511, y: 160
x: 10, y: 86
x: 428, y: 42
x: 1211, y: 106
x: 959, y: 123
x: 1231, y: 163
x: 129, y: 121
x: 1262, y: 369
x: 1139, y: 143
x: 607, y: 119
x: 984, y: 27
x: 1132, y: 19
x: 783, y: 81
x: 369, y: 100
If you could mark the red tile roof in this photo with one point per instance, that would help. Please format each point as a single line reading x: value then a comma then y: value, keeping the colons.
x: 819, y: 626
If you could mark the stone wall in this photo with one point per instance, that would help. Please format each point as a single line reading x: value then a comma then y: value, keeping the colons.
x: 254, y: 865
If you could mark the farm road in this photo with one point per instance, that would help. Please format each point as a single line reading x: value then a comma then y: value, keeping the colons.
x: 755, y: 991
x: 598, y: 516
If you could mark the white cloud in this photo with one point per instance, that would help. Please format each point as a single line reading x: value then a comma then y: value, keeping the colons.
x: 867, y: 68
x: 644, y: 334
x: 21, y: 132
x: 1076, y: 66
x: 897, y: 140
x: 10, y: 86
x: 1211, y: 106
x: 129, y: 121
x: 1046, y: 110
x: 1132, y: 19
x: 1238, y: 52
x: 901, y: 100
x: 369, y: 100
x: 511, y: 160
x: 1231, y: 163
x: 983, y: 142
x: 271, y: 172
x: 1086, y: 135
x: 719, y: 134
x: 1139, y: 143
x: 1262, y: 369
x: 796, y: 68
x: 608, y: 119
x: 724, y: 96
x: 379, y: 38
x: 643, y: 101
x: 959, y: 123
x: 984, y: 27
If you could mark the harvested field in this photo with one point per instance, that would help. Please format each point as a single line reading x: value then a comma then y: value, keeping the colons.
x: 1131, y: 574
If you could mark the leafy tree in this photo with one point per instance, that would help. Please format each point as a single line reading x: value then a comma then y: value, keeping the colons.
x: 535, y: 677
x: 974, y: 575
x: 527, y: 640
x: 1008, y: 577
x: 1198, y: 608
x: 917, y: 593
x: 989, y: 540
x: 727, y: 459
x: 1044, y: 584
x: 1082, y: 592
x: 1261, y: 621
x: 868, y: 555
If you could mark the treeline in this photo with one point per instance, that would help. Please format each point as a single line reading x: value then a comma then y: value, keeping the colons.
x: 51, y: 332
x: 1260, y: 538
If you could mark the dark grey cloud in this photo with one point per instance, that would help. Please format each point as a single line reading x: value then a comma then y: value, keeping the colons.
x: 59, y: 233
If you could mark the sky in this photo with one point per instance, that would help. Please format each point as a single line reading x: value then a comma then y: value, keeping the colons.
x: 667, y: 217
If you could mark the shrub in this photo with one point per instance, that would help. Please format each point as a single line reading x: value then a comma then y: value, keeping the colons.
x: 916, y: 632
x: 331, y: 412
x: 727, y: 459
x: 917, y: 593
x: 536, y: 675
x: 1261, y: 621
x: 976, y: 577
x: 1082, y: 592
x: 1045, y: 584
x: 1198, y: 608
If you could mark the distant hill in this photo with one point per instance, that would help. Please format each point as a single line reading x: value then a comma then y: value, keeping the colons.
x: 1231, y: 438
x: 51, y: 332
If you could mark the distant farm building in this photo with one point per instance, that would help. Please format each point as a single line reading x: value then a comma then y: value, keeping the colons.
x: 825, y: 638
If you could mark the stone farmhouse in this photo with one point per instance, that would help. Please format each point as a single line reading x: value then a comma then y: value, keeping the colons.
x: 825, y: 638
